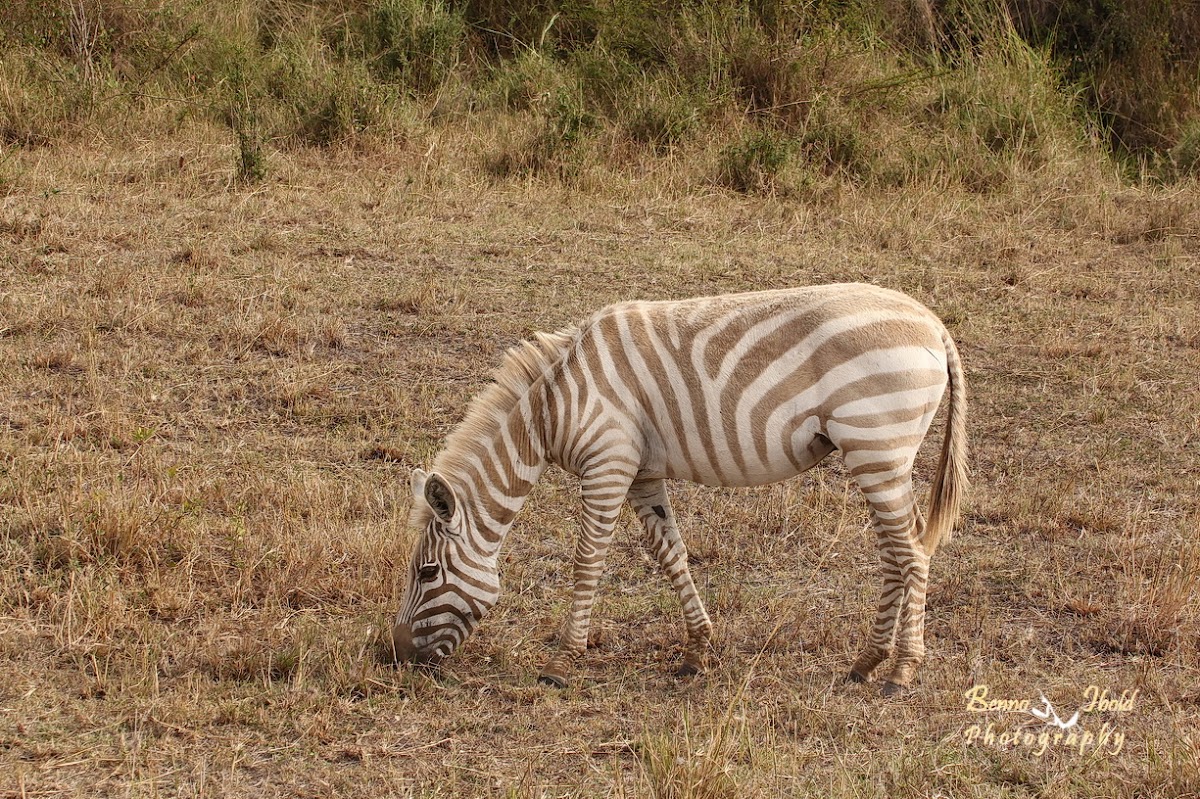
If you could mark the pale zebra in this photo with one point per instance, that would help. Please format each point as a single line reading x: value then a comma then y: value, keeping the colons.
x: 733, y: 390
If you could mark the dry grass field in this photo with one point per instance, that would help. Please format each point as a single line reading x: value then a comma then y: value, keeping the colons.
x: 212, y: 395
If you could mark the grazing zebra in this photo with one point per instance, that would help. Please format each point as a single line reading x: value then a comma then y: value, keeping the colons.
x: 733, y: 390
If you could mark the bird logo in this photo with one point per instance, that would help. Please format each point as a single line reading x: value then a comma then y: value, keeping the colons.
x: 1050, y: 716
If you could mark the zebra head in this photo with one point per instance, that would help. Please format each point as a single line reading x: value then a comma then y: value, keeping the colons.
x: 452, y: 582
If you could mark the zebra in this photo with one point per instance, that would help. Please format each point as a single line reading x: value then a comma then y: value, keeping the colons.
x: 730, y: 390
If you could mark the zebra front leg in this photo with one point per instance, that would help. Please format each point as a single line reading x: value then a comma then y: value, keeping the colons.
x: 603, y: 494
x: 649, y: 500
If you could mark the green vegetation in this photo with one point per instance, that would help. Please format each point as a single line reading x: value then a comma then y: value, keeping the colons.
x: 756, y: 95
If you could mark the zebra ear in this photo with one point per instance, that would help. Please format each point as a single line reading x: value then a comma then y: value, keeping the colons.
x: 417, y: 481
x: 440, y: 497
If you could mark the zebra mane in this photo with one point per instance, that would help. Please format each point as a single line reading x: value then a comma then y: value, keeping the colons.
x: 521, y: 367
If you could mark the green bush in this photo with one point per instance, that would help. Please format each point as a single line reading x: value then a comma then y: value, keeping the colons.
x: 837, y: 145
x: 556, y: 147
x: 1136, y: 62
x: 41, y: 99
x: 1001, y: 113
x: 754, y: 162
x: 341, y: 111
x: 520, y: 83
x: 505, y: 28
x: 662, y: 117
x: 1185, y: 156
x: 968, y: 92
x: 243, y: 115
x: 416, y: 43
x: 605, y: 79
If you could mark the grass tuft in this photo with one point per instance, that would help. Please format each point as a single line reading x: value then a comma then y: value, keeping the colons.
x: 678, y: 767
x: 416, y: 43
x: 662, y: 118
x: 1162, y: 605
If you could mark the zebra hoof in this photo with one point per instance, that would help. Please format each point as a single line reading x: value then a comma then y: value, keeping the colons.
x: 687, y: 669
x: 553, y: 680
x: 854, y: 676
x: 891, y: 689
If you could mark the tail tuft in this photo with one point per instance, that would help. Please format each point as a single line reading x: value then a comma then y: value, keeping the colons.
x: 950, y: 482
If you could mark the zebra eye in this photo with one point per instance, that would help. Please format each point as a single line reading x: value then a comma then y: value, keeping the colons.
x: 428, y: 572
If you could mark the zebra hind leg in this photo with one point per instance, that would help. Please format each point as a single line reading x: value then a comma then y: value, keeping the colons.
x: 898, y: 628
x: 880, y: 639
x: 913, y: 565
x: 649, y: 500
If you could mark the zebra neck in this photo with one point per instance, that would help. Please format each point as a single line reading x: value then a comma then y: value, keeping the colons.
x: 497, y: 467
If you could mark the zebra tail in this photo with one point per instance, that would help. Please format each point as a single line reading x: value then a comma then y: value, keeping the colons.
x: 950, y: 482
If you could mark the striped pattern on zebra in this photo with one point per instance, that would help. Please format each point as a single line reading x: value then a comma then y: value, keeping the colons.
x: 733, y: 390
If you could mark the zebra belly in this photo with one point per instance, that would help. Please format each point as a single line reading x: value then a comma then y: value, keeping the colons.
x: 716, y: 462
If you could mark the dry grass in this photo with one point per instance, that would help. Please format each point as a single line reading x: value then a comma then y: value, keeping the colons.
x: 212, y: 396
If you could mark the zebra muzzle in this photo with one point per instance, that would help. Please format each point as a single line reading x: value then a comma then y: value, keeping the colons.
x: 404, y: 651
x: 402, y: 643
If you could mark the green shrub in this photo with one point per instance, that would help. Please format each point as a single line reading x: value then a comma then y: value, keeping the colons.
x: 765, y: 75
x: 320, y: 99
x: 753, y: 163
x: 42, y: 99
x: 838, y: 145
x: 662, y: 117
x: 1002, y: 113
x: 556, y: 147
x: 850, y: 88
x: 1135, y: 61
x: 342, y: 110
x: 1185, y: 156
x: 243, y: 115
x: 506, y: 28
x: 417, y: 43
x: 568, y: 121
x: 605, y: 78
x: 520, y: 83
